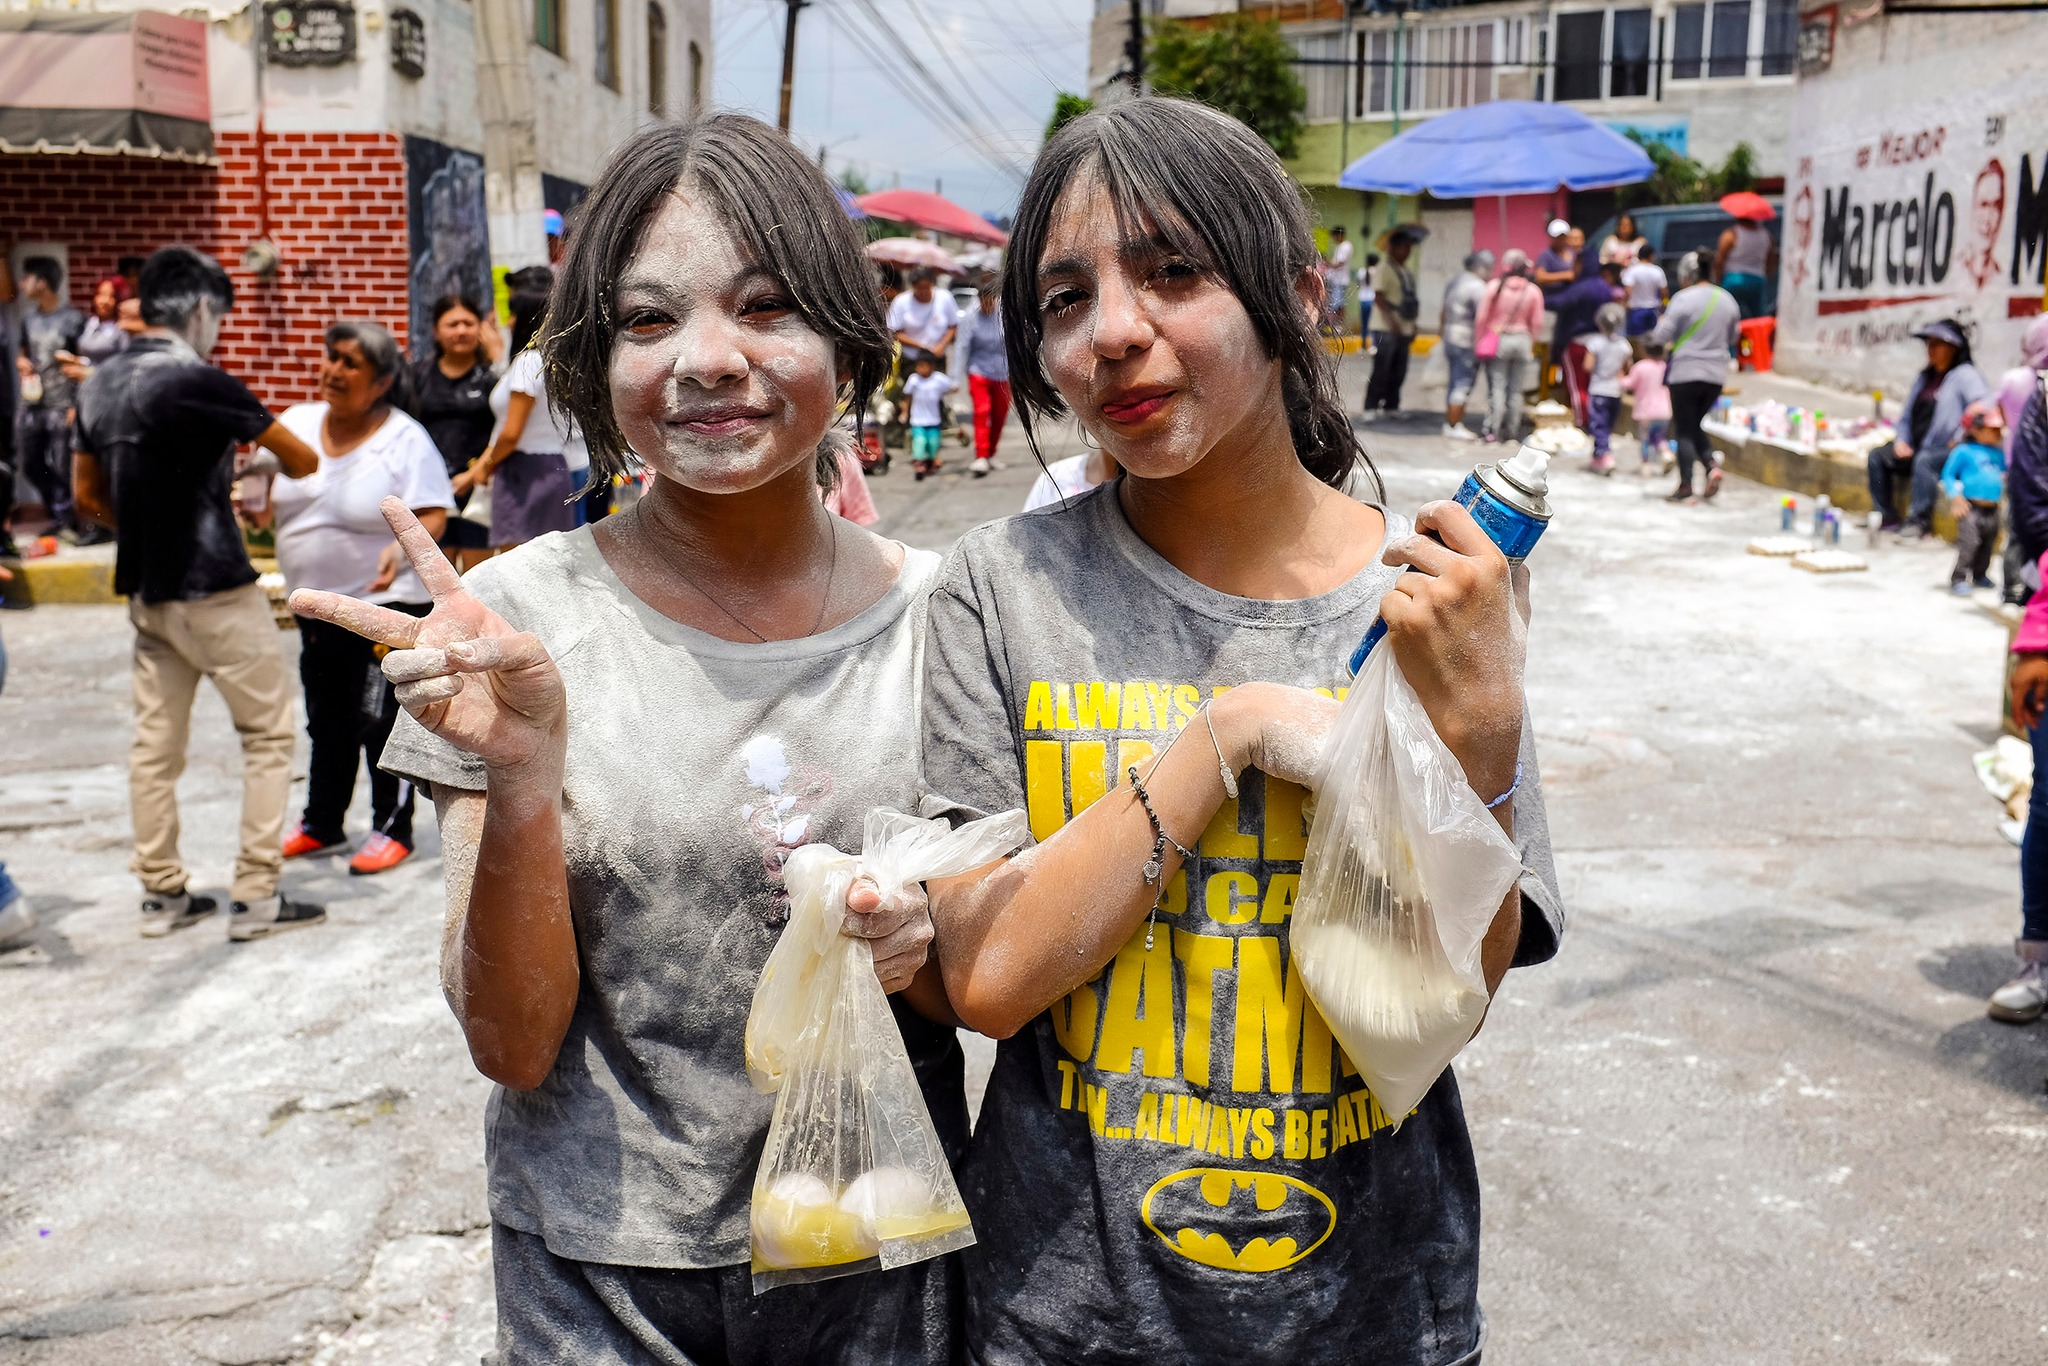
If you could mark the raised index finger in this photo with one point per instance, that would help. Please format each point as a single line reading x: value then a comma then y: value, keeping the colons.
x: 428, y: 562
x: 366, y: 619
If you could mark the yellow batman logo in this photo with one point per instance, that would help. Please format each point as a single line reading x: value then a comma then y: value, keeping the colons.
x: 1198, y: 1211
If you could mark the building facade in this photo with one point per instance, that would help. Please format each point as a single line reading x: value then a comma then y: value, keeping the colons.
x: 1918, y: 190
x: 1698, y: 76
x: 336, y: 157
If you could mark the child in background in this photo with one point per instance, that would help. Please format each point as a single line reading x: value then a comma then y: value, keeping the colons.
x: 1645, y: 379
x: 926, y: 391
x: 1607, y: 356
x: 1646, y: 288
x: 1974, y: 480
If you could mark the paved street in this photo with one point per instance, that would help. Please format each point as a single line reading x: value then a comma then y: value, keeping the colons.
x: 1754, y: 1113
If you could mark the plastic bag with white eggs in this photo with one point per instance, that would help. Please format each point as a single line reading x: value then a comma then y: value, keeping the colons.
x: 853, y: 1177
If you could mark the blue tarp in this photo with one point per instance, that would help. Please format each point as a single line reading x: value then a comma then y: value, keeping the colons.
x: 1506, y: 147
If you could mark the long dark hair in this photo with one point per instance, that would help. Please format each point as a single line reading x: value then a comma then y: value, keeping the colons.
x: 775, y: 202
x: 1219, y: 197
x: 529, y: 311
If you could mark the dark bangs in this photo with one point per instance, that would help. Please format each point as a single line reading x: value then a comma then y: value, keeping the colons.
x: 1217, y: 195
x: 775, y: 202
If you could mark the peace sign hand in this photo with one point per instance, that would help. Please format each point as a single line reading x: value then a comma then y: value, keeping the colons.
x: 462, y: 671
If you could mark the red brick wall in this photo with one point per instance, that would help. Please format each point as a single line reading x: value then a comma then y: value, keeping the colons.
x: 337, y: 214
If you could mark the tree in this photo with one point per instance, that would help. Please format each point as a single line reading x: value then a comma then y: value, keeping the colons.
x: 1238, y: 64
x: 1066, y: 107
x: 1678, y: 179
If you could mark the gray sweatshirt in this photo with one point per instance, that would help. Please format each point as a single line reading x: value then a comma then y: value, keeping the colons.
x: 1704, y: 356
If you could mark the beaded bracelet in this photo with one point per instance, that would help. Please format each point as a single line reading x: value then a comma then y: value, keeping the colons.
x: 1155, y: 867
x: 1513, y: 788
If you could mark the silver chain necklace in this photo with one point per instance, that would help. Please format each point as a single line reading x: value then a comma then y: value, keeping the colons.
x: 824, y: 600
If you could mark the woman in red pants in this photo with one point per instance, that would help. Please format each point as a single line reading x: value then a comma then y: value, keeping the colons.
x: 988, y: 372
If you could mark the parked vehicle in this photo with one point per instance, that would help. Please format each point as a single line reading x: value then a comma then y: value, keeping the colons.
x: 1675, y: 229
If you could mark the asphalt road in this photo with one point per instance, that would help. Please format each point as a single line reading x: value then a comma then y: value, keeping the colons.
x: 1753, y: 1113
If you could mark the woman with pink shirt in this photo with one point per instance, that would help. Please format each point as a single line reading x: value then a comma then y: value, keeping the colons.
x: 1652, y: 409
x: 1505, y: 332
x: 2025, y: 997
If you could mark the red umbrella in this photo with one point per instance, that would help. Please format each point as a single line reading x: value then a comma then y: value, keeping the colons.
x: 910, y: 252
x: 923, y: 209
x: 1749, y: 205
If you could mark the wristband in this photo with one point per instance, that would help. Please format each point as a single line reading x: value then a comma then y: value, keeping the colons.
x: 1513, y: 788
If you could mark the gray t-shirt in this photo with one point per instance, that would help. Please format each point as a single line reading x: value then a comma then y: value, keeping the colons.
x: 695, y: 765
x: 1176, y: 1158
x: 1709, y: 320
x: 43, y: 335
x: 1461, y: 308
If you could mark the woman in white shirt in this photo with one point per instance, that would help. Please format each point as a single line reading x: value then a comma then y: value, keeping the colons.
x: 331, y: 537
x: 537, y: 463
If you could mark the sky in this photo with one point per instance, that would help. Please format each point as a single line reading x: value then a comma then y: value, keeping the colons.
x: 1000, y: 61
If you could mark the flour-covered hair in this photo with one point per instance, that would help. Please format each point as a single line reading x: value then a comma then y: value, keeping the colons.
x: 780, y: 209
x: 1216, y: 195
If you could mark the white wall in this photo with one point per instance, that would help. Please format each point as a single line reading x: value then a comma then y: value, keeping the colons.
x: 1918, y: 118
x: 578, y: 120
x: 442, y: 104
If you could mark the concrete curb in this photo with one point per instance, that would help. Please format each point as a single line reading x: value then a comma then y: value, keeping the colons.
x: 74, y: 577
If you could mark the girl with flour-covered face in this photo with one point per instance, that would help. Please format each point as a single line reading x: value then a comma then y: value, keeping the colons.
x: 1149, y: 670
x: 718, y: 381
x: 627, y: 727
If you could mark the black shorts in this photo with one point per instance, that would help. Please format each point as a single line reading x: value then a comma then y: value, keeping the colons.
x: 556, y: 1310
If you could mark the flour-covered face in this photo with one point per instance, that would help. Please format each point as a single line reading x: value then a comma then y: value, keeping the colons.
x: 1159, y: 362
x: 717, y: 381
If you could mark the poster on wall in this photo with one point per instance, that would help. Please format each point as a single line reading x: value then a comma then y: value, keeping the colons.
x: 450, y: 237
x: 1935, y: 207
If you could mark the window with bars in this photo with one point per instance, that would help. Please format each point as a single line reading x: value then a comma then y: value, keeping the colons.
x: 1322, y: 73
x: 1603, y: 54
x: 1716, y: 41
x: 1580, y: 42
x: 606, y: 45
x: 657, y: 61
x: 1781, y: 37
x: 1628, y: 47
x: 1436, y: 67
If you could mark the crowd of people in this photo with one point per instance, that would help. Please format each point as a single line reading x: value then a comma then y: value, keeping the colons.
x: 628, y: 712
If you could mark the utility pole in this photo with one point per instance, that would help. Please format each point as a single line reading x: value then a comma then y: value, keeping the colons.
x: 1351, y: 77
x: 513, y: 195
x: 788, y: 62
x: 1134, y: 48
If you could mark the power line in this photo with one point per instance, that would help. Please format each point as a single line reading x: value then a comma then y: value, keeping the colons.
x: 921, y: 88
x: 970, y: 86
x: 963, y: 119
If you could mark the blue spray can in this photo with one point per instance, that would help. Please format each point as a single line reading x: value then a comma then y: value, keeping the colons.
x: 1509, y: 502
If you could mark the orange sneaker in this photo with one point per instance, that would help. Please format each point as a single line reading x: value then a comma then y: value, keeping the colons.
x: 380, y: 853
x: 299, y: 844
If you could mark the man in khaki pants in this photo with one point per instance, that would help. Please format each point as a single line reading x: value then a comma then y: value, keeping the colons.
x: 160, y: 425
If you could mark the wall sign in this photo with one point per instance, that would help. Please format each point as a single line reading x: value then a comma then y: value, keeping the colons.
x: 408, y: 43
x: 1817, y: 39
x: 309, y: 32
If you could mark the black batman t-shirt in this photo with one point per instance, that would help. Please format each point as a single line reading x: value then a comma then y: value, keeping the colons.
x: 1176, y: 1162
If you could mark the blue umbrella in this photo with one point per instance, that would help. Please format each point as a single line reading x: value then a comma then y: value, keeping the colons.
x: 853, y: 210
x: 1506, y: 147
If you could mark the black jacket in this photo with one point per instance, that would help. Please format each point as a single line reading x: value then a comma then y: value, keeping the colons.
x: 2026, y: 480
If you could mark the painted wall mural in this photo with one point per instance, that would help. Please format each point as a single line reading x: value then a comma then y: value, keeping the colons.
x: 449, y: 231
x: 1915, y: 195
